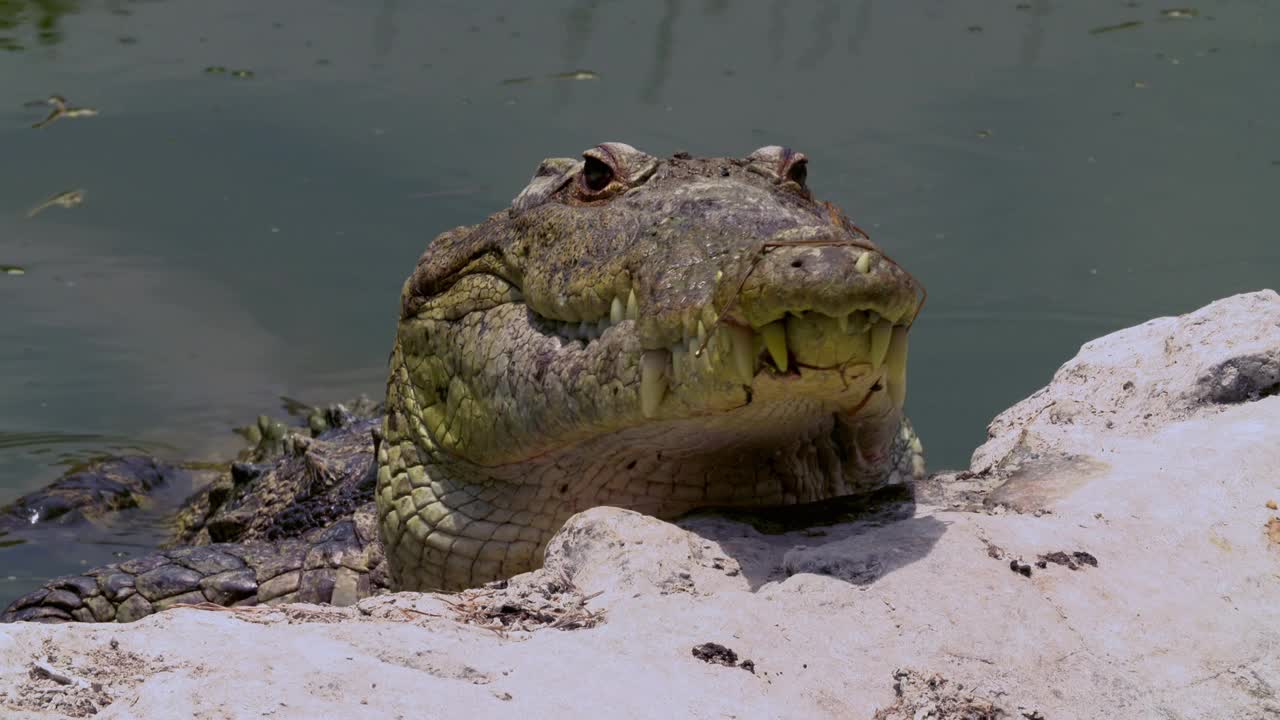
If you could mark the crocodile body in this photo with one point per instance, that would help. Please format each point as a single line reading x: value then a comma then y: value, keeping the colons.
x: 655, y: 334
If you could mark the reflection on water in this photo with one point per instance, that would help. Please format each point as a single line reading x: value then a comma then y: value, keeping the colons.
x: 245, y: 238
x: 43, y: 16
x: 34, y: 440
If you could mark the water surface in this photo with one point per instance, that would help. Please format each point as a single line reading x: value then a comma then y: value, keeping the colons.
x: 1051, y: 171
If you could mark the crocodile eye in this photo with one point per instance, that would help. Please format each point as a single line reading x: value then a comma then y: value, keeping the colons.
x: 798, y: 171
x: 596, y: 175
x: 781, y: 165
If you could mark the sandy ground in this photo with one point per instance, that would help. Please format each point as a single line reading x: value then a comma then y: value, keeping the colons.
x: 1113, y: 552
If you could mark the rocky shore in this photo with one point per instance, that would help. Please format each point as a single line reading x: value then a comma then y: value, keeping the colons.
x: 1113, y: 551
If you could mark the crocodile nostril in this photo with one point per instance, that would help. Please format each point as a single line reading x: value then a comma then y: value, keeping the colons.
x: 797, y: 263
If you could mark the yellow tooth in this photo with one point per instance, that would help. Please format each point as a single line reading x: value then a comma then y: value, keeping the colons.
x: 744, y: 356
x: 616, y: 311
x: 896, y: 367
x: 858, y: 324
x: 653, y: 380
x: 679, y: 362
x: 709, y: 315
x: 843, y: 323
x: 633, y: 307
x: 917, y: 467
x: 864, y: 263
x: 702, y: 334
x: 881, y: 334
x: 775, y: 340
x: 860, y: 347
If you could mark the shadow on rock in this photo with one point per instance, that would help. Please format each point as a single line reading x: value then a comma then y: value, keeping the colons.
x: 857, y: 539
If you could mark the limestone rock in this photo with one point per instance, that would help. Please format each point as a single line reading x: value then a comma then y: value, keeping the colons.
x: 1078, y: 569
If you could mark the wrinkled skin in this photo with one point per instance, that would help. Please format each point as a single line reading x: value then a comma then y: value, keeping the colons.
x: 652, y: 334
x: 661, y: 335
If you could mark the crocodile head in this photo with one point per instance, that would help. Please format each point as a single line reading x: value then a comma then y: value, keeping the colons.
x: 650, y: 333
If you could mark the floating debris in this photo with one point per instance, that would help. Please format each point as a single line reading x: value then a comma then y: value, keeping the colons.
x: 571, y: 75
x: 1118, y: 26
x: 66, y: 199
x: 984, y: 133
x: 12, y: 270
x: 10, y: 44
x: 224, y: 70
x: 60, y: 110
x: 1140, y: 84
x: 1180, y: 13
x: 576, y: 75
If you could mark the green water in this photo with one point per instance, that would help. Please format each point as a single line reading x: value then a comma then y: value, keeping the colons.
x: 1049, y: 176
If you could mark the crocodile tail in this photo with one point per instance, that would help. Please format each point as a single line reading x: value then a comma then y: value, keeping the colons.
x: 339, y: 564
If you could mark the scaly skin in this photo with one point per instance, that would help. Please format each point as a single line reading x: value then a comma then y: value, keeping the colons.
x: 547, y: 360
x: 727, y: 358
x: 294, y: 527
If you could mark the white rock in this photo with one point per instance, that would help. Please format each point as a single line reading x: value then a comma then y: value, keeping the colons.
x: 1179, y: 619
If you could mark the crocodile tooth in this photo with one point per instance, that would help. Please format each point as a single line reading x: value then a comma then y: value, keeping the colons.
x: 679, y: 362
x: 633, y: 306
x: 653, y: 380
x: 881, y: 334
x: 896, y: 367
x: 858, y: 324
x: 616, y: 311
x: 744, y: 357
x: 688, y: 325
x: 709, y: 316
x: 775, y: 340
x: 843, y: 323
x: 864, y: 263
x: 702, y: 334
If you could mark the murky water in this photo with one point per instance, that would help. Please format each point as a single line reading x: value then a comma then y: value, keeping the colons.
x: 1051, y: 171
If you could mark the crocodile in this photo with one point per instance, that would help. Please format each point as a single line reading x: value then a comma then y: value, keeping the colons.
x: 658, y: 334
